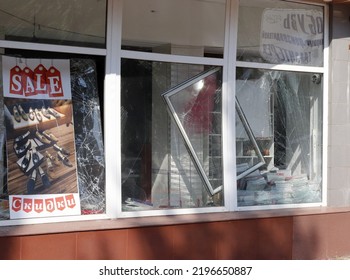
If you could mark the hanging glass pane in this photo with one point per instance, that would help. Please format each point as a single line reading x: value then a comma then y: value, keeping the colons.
x: 171, y: 136
x: 192, y: 106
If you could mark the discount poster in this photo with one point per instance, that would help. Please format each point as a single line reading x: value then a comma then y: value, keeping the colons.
x: 41, y: 158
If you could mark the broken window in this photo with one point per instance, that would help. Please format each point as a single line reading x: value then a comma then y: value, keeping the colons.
x: 171, y: 143
x: 284, y: 113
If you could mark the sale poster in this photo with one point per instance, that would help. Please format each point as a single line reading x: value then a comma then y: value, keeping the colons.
x: 41, y: 158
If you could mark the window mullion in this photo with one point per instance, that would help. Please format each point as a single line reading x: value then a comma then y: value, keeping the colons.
x: 112, y: 109
x: 229, y: 137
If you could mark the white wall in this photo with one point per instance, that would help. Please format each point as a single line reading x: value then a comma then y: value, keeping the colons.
x: 339, y: 109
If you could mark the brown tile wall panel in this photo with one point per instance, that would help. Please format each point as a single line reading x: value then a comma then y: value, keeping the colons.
x: 275, y: 238
x: 246, y: 239
x: 196, y: 241
x: 256, y: 239
x: 237, y: 240
x: 102, y: 245
x: 310, y: 237
x: 338, y: 235
x: 49, y: 247
x: 10, y: 248
x: 154, y: 243
x: 321, y: 236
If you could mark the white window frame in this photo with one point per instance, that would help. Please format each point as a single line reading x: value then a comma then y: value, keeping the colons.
x: 112, y: 133
x: 70, y: 50
x: 221, y: 62
x: 229, y: 64
x: 324, y: 70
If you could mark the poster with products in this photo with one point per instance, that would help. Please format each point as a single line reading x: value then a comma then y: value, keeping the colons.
x: 40, y: 145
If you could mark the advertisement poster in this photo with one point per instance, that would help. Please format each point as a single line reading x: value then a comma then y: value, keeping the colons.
x: 42, y: 173
x: 292, y: 36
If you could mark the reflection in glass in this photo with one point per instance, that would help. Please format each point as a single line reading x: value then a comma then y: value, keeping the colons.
x: 280, y: 32
x: 284, y: 112
x: 65, y: 22
x: 159, y: 171
x: 179, y: 27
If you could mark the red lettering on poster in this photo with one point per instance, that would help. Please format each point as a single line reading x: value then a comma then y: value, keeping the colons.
x: 40, y: 79
x: 28, y: 82
x: 54, y: 81
x: 38, y: 205
x: 16, y: 204
x: 70, y: 201
x: 60, y: 203
x: 15, y: 81
x: 50, y: 204
x: 27, y: 205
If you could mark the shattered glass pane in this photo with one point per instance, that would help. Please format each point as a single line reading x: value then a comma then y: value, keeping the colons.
x: 284, y: 110
x: 249, y: 153
x: 4, y: 204
x: 88, y: 136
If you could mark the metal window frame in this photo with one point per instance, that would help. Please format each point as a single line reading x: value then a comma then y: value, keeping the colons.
x: 172, y: 112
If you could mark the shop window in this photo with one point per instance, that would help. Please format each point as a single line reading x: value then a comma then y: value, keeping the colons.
x: 181, y: 27
x: 284, y: 112
x: 171, y: 141
x: 279, y: 116
x: 51, y: 136
x: 64, y: 22
x: 177, y: 108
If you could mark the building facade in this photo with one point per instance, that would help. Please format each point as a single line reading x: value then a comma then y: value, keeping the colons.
x: 170, y: 129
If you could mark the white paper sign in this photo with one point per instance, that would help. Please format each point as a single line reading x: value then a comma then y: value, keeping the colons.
x: 36, y: 206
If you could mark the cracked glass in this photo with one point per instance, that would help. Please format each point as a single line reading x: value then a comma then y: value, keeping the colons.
x: 170, y: 163
x: 284, y: 111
